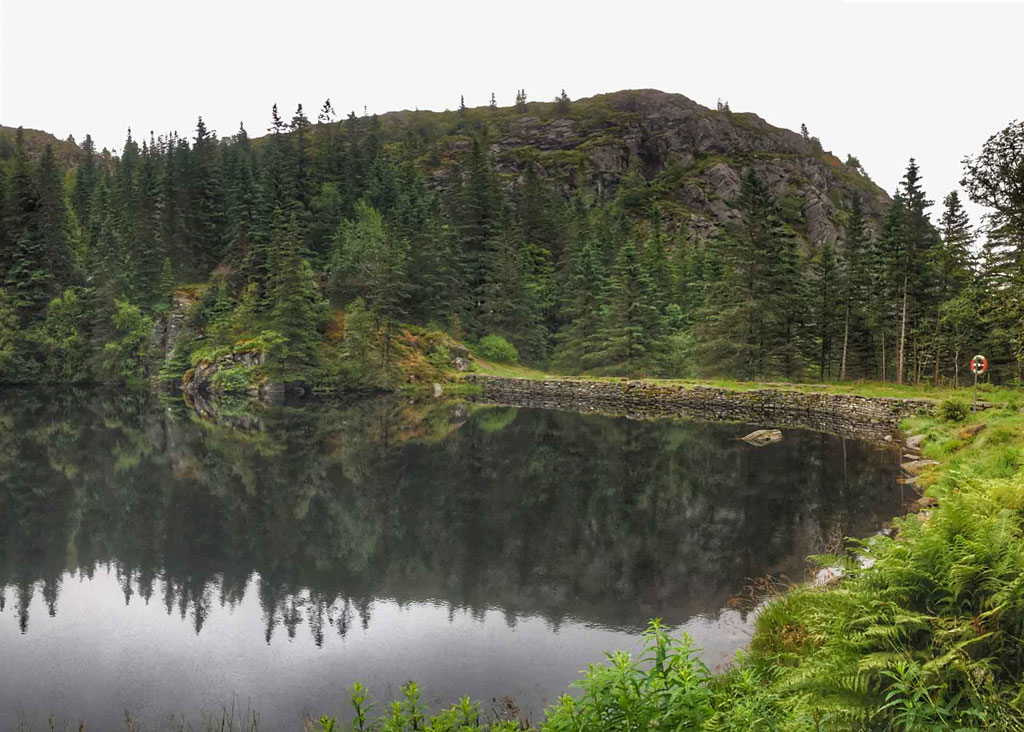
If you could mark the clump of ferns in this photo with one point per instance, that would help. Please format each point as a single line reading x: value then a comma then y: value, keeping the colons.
x: 939, y: 614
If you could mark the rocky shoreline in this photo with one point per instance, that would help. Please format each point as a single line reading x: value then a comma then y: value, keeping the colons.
x: 842, y: 414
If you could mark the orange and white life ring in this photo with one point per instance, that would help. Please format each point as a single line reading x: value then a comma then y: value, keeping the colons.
x: 979, y: 365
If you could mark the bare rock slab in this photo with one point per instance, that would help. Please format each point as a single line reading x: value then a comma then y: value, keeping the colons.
x: 914, y: 442
x: 760, y: 438
x: 916, y: 466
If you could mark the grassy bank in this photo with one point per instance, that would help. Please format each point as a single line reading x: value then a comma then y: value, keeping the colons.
x: 991, y: 393
x: 925, y: 630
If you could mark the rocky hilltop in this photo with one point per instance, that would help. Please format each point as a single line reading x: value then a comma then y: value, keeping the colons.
x: 685, y: 156
x: 67, y: 152
x: 670, y: 150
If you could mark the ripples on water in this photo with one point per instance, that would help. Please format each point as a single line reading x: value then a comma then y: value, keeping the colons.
x: 154, y: 560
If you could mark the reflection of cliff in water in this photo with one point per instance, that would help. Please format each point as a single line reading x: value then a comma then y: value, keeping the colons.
x: 606, y: 520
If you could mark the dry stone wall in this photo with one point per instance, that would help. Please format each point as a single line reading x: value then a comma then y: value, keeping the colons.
x: 842, y: 414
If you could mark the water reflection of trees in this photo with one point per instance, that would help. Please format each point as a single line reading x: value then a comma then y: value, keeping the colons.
x: 607, y: 520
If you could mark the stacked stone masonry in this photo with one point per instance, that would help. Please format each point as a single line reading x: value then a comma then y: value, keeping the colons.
x: 841, y: 414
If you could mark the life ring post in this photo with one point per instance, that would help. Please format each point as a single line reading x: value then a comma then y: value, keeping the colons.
x: 979, y: 365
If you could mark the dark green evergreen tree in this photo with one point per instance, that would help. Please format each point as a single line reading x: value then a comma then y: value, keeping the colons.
x: 85, y: 182
x: 205, y: 214
x: 584, y: 312
x: 755, y: 314
x: 562, y: 103
x: 827, y: 311
x: 632, y: 339
x: 856, y: 288
x: 298, y: 310
x: 41, y: 264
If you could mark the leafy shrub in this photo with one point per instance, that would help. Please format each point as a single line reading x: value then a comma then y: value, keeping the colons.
x: 8, y: 330
x: 62, y: 337
x: 953, y: 410
x: 123, y: 356
x: 495, y: 348
x: 234, y: 380
x: 439, y: 356
x: 665, y: 689
x: 409, y: 714
x: 207, y: 352
x: 495, y: 419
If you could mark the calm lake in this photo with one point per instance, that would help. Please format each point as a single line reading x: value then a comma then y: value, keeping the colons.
x: 154, y: 561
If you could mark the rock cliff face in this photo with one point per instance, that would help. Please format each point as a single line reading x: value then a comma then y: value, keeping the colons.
x: 690, y: 156
x: 201, y: 383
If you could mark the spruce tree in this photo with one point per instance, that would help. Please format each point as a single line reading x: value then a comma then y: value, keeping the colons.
x: 21, y: 192
x: 246, y: 228
x: 889, y: 265
x: 41, y: 262
x: 301, y: 163
x: 476, y: 216
x: 913, y: 259
x: 953, y: 271
x: 657, y: 263
x: 52, y: 224
x: 521, y: 101
x: 856, y: 285
x: 327, y: 114
x: 755, y: 314
x: 149, y: 251
x: 205, y: 213
x: 298, y: 309
x: 562, y: 103
x: 826, y: 282
x: 85, y: 182
x: 632, y: 339
x: 584, y: 312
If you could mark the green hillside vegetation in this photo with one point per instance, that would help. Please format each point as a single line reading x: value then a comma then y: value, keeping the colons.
x: 35, y: 142
x: 634, y: 233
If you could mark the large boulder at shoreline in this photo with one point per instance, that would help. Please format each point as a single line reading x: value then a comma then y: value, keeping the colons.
x: 760, y: 438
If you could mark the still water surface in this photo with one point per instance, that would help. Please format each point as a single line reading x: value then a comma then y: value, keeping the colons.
x: 156, y: 561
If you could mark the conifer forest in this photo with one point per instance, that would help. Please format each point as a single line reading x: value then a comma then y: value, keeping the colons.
x: 484, y: 223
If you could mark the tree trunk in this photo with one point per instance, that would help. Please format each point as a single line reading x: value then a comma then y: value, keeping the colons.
x: 883, y: 374
x: 846, y: 339
x: 903, y: 336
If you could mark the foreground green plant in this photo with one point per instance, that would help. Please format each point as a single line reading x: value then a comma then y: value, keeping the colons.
x: 953, y: 410
x: 666, y: 687
x: 408, y: 714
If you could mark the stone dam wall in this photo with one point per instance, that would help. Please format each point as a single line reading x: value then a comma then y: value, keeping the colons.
x: 841, y: 414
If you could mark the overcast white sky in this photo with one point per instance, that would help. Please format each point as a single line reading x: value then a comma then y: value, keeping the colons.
x: 883, y: 80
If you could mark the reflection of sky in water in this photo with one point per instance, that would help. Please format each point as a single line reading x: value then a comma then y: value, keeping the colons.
x: 495, y: 556
x: 99, y: 656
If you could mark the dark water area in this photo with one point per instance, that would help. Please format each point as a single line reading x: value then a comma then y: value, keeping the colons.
x: 154, y: 561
